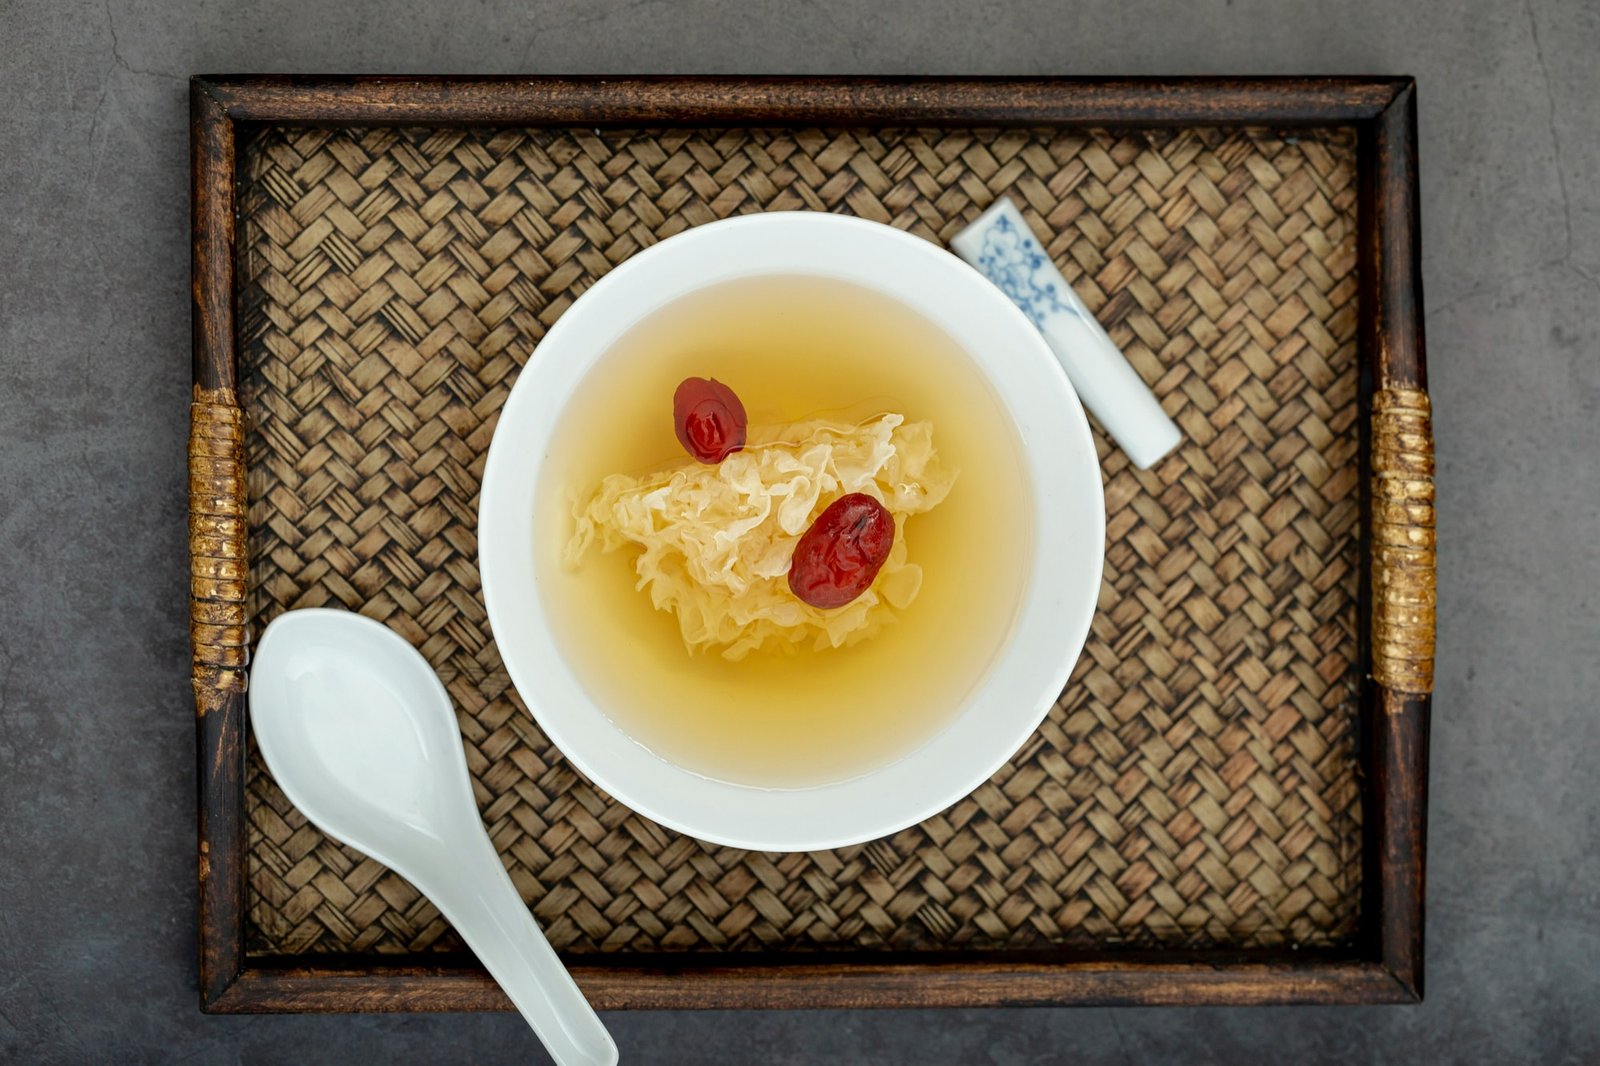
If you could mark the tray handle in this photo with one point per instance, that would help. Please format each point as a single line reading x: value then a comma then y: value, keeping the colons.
x: 218, y: 568
x: 1404, y: 580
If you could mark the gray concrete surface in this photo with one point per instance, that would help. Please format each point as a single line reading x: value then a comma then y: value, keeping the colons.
x: 96, y: 747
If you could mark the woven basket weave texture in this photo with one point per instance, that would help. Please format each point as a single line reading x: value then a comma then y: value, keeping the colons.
x: 1196, y: 784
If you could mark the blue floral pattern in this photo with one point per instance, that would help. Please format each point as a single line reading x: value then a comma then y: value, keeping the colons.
x: 1013, y: 259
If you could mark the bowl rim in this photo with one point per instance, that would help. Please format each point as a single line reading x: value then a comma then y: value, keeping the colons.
x: 746, y: 816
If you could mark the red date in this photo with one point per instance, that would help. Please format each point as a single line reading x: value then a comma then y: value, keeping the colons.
x: 709, y: 419
x: 837, y: 558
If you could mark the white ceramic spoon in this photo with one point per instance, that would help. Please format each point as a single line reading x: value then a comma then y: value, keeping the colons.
x: 360, y: 735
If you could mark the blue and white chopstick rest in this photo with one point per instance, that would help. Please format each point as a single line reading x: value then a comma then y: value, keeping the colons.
x: 1004, y: 250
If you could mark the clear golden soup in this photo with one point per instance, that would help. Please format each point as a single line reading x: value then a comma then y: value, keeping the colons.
x: 792, y: 348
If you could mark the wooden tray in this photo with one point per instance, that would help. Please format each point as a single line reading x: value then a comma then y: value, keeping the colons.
x: 1227, y: 804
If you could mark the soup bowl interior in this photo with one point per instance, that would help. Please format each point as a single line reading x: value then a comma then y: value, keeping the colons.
x: 1003, y: 707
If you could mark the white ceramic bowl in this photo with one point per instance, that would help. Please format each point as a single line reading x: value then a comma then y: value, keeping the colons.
x: 1049, y: 630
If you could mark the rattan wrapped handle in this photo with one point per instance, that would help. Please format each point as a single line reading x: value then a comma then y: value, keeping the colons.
x: 1404, y: 581
x: 218, y: 569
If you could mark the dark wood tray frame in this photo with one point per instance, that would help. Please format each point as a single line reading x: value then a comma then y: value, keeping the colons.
x: 1384, y: 965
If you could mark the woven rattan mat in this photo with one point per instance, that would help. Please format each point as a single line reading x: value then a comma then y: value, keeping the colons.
x: 1196, y: 784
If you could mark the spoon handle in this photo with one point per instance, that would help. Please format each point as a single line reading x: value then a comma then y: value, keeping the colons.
x: 474, y: 892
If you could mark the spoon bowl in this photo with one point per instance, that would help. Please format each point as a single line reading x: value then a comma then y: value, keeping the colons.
x: 361, y: 736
